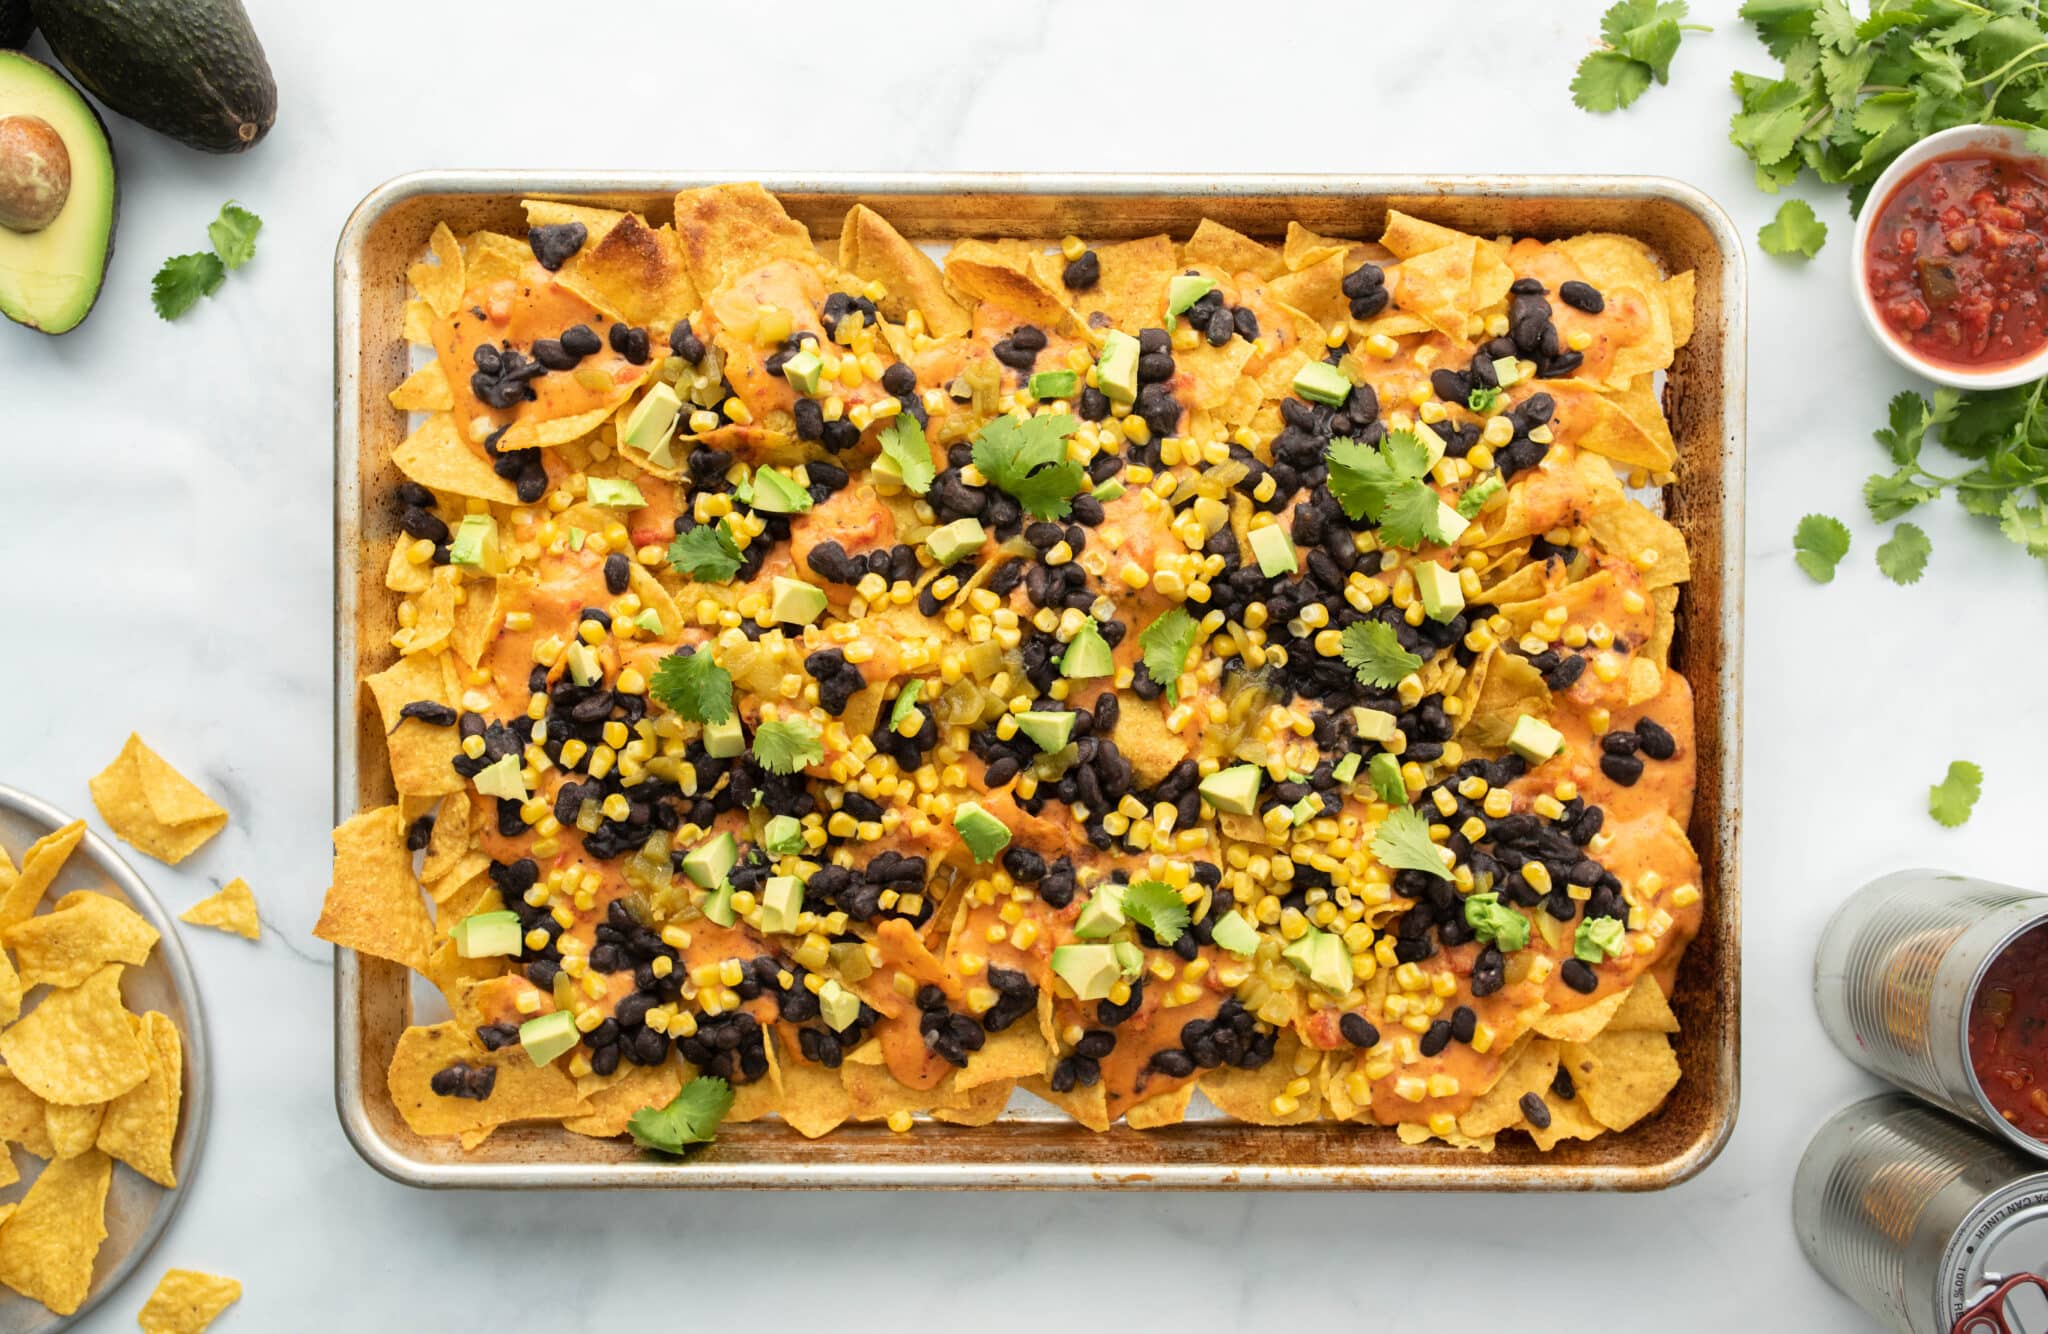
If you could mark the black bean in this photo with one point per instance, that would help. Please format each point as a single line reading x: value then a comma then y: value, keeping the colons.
x: 1083, y: 273
x: 1363, y: 279
x: 1623, y: 769
x: 1154, y: 340
x: 419, y: 833
x: 1173, y: 1063
x: 553, y: 244
x: 580, y: 340
x: 1222, y: 327
x: 1581, y: 296
x: 1369, y: 305
x: 1535, y: 1111
x: 1093, y: 405
x: 1029, y: 337
x: 550, y: 353
x: 1579, y: 976
x: 618, y: 573
x: 1155, y: 367
x: 1560, y: 366
x: 684, y: 342
x: 1451, y: 386
x: 1464, y: 1023
x: 1358, y: 1030
x: 1095, y: 1044
x: 1246, y: 323
x: 429, y: 712
x: 1620, y: 743
x: 1657, y: 743
x: 418, y: 522
x: 1437, y: 1038
x: 630, y: 343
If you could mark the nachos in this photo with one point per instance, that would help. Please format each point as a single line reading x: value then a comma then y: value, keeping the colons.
x: 1116, y: 672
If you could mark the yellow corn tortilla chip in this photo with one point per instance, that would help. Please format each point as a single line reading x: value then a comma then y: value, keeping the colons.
x: 186, y: 1302
x: 73, y: 1129
x: 477, y: 621
x: 141, y: 1126
x: 1646, y: 1010
x: 374, y: 904
x: 814, y: 1100
x: 538, y: 433
x: 419, y: 323
x: 1622, y: 1077
x: 982, y: 1106
x: 1016, y: 1051
x: 1161, y: 1109
x: 730, y: 230
x: 450, y: 838
x: 22, y: 1120
x: 1437, y: 286
x: 522, y: 1090
x: 232, y: 908
x: 9, y: 1174
x: 47, y: 1245
x: 437, y: 458
x: 11, y: 991
x: 1614, y: 426
x: 1678, y: 303
x: 1247, y: 1095
x: 1665, y: 600
x: 761, y: 1097
x: 1579, y: 1025
x: 1089, y: 1105
x: 1569, y: 1119
x: 1003, y: 272
x: 1315, y: 291
x: 1500, y: 1107
x: 607, y: 1110
x: 440, y: 285
x: 76, y: 1046
x: 1232, y: 252
x: 1132, y: 289
x: 635, y: 272
x: 490, y: 257
x: 425, y: 390
x: 422, y: 755
x: 65, y: 946
x: 39, y: 866
x: 1304, y: 249
x: 871, y: 248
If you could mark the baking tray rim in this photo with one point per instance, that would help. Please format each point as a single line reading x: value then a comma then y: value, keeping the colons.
x: 395, y: 1163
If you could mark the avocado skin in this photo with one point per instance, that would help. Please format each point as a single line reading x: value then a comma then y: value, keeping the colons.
x: 190, y: 69
x: 113, y: 198
x: 16, y: 23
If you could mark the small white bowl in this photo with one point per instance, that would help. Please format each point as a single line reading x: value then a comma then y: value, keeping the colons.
x: 1962, y: 139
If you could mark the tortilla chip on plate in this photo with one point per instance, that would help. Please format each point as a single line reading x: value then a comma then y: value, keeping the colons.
x: 76, y: 1046
x: 141, y: 1126
x: 49, y: 1242
x: 39, y: 866
x: 73, y: 1129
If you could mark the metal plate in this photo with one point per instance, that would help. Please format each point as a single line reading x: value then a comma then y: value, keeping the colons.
x: 138, y: 1210
x: 1704, y: 392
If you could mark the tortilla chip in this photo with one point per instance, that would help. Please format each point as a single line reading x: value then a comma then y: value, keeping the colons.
x: 419, y: 323
x: 141, y: 1126
x: 425, y: 390
x: 1622, y: 1077
x: 1315, y: 291
x: 1017, y: 1051
x: 437, y: 457
x: 538, y: 433
x: 22, y: 1119
x: 981, y: 1106
x: 1089, y: 1105
x: 232, y: 908
x: 1581, y: 1024
x: 1646, y: 1010
x: 523, y: 1091
x: 76, y: 1046
x: 64, y: 947
x: 1499, y: 1108
x: 1304, y: 249
x: 607, y: 1110
x: 871, y: 248
x: 450, y: 838
x: 440, y: 285
x: 73, y: 1129
x: 477, y: 621
x: 761, y: 1097
x: 634, y: 272
x: 374, y: 904
x: 1437, y: 286
x: 39, y: 866
x: 1678, y: 303
x: 1004, y: 272
x: 1665, y: 601
x: 422, y: 755
x: 186, y: 1302
x: 1161, y: 1109
x: 730, y: 230
x: 11, y: 991
x: 492, y: 257
x: 1132, y: 288
x: 48, y: 1244
x: 1247, y: 1095
x: 814, y: 1100
x: 1232, y: 252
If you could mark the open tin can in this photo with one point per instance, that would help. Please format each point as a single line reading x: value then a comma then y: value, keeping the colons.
x: 1897, y: 972
x: 1927, y: 1224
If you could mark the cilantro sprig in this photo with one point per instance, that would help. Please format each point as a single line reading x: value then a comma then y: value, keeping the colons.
x: 1794, y: 231
x: 903, y: 444
x: 691, y: 1117
x: 787, y: 745
x: 1639, y: 38
x: 1403, y: 843
x: 184, y: 279
x: 1373, y: 650
x: 1387, y: 486
x: 1028, y: 459
x: 2003, y: 432
x: 693, y: 687
x: 1952, y: 799
x: 1158, y: 908
x: 706, y: 554
x: 1166, y: 644
x: 1819, y: 545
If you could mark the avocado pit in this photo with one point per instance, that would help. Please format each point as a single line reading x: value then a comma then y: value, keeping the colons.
x: 35, y: 173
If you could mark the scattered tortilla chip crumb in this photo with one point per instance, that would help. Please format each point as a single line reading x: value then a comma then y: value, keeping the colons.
x: 233, y: 909
x: 187, y: 1301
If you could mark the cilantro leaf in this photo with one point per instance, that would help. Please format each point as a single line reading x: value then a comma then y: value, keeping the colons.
x: 1794, y: 231
x: 1819, y: 546
x: 1361, y: 479
x: 182, y: 280
x: 1406, y: 454
x: 1952, y: 799
x: 1904, y: 557
x: 1386, y: 486
x: 1888, y: 495
x: 691, y: 1117
x: 2024, y: 524
x: 1906, y: 428
x: 1373, y: 650
x: 906, y: 703
x: 1028, y: 459
x: 1166, y: 644
x: 787, y: 745
x: 706, y: 553
x: 1403, y: 843
x: 1642, y: 36
x: 1158, y: 908
x: 693, y: 687
x: 1475, y: 498
x: 1414, y: 516
x: 903, y: 444
x: 233, y: 234
x: 1608, y: 81
x: 1483, y: 399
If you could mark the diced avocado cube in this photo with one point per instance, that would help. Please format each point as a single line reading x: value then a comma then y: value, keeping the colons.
x: 782, y: 898
x: 838, y: 1007
x: 1330, y: 967
x: 1305, y: 810
x: 547, y: 1036
x: 613, y: 492
x: 804, y: 371
x: 1091, y: 970
x: 783, y: 835
x: 718, y: 905
x: 652, y: 422
x: 485, y: 935
x: 1346, y: 769
x: 1442, y: 595
x: 1374, y: 724
x: 1130, y: 960
x: 1048, y: 730
x: 886, y: 469
x: 1274, y: 550
x: 1431, y: 442
x: 649, y: 621
x: 1453, y: 523
x: 1233, y: 933
x: 1320, y: 382
x: 1384, y: 772
x: 1102, y: 914
x: 1108, y: 491
x: 950, y: 542
x: 1234, y: 791
x: 1506, y: 371
x: 794, y: 602
x: 502, y: 779
x: 1184, y: 290
x: 1533, y: 739
x: 585, y: 668
x: 1301, y: 953
x: 1088, y: 655
x: 710, y: 862
x: 984, y: 834
x: 723, y: 740
x: 1116, y: 368
x: 777, y: 493
x: 475, y: 543
x: 1055, y: 384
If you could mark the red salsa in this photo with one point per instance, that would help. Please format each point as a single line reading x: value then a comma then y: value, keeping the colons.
x: 1958, y: 260
x: 2009, y: 1033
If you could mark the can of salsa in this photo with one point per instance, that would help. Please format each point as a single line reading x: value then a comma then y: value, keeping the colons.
x: 1939, y: 983
x: 1926, y: 1223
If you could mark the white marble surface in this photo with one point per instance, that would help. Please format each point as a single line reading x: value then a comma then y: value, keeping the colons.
x: 166, y: 550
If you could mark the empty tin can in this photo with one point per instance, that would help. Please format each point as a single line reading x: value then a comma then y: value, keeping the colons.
x: 1895, y: 975
x: 1926, y: 1223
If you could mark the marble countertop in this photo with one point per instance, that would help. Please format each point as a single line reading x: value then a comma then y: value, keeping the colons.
x: 168, y: 550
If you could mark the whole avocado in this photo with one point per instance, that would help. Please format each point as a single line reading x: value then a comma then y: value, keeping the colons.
x: 16, y: 23
x: 191, y: 69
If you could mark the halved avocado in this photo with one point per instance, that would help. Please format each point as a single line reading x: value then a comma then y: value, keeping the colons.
x: 50, y: 277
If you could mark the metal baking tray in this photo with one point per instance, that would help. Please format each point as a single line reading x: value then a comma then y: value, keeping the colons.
x: 1704, y: 394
